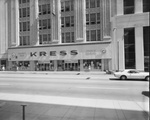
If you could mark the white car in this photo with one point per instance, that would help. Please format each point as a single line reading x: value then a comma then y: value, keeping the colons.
x: 132, y: 74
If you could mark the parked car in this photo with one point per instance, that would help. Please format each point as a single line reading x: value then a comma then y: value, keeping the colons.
x: 131, y: 74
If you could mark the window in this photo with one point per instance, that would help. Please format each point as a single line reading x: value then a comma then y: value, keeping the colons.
x: 49, y: 24
x: 87, y: 36
x: 20, y: 13
x: 24, y: 26
x: 72, y: 5
x: 63, y: 37
x: 93, y: 35
x: 98, y: 35
x: 67, y: 6
x: 62, y: 22
x: 92, y: 3
x: 24, y: 12
x: 146, y: 4
x: 28, y: 12
x: 129, y: 46
x: 40, y: 39
x: 93, y: 18
x: 44, y: 38
x: 62, y: 6
x: 49, y: 38
x: 72, y: 21
x: 87, y: 4
x: 98, y: 18
x: 44, y: 24
x: 40, y: 10
x: 128, y: 6
x: 21, y: 41
x: 40, y: 24
x: 146, y: 38
x: 28, y: 26
x: 87, y: 19
x: 48, y: 8
x: 44, y: 9
x: 67, y: 20
x: 67, y: 37
x: 20, y: 26
x: 98, y: 3
x: 72, y: 36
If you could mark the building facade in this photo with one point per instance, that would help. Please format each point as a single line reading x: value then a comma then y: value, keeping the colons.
x: 130, y: 34
x: 56, y: 35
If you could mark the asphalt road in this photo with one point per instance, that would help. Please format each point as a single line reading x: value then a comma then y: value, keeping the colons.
x: 73, y: 85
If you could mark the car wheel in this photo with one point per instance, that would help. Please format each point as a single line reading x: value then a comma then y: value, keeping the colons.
x: 123, y: 77
x: 147, y: 78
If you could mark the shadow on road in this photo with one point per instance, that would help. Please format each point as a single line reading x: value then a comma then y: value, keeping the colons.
x: 117, y: 79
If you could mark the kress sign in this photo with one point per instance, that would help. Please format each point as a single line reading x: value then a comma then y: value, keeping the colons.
x: 53, y: 53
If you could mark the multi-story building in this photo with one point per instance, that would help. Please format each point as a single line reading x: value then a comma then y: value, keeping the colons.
x: 49, y: 35
x: 130, y: 34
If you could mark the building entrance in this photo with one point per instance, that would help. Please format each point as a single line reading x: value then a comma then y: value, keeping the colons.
x: 72, y: 65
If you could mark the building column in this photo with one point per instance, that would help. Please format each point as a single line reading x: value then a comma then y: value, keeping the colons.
x: 81, y: 65
x: 56, y: 21
x: 138, y: 6
x: 120, y: 49
x: 34, y: 22
x: 139, y: 49
x: 120, y: 7
x: 80, y: 21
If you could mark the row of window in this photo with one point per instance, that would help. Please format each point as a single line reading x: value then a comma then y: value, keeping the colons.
x: 93, y: 18
x: 44, y: 9
x: 129, y: 6
x: 67, y: 21
x: 44, y: 24
x: 93, y: 35
x: 67, y: 6
x: 24, y: 26
x: 68, y: 37
x: 24, y: 40
x: 44, y: 38
x: 24, y: 12
x: 23, y: 1
x: 92, y: 3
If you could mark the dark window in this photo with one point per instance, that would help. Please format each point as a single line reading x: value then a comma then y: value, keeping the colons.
x: 72, y: 5
x: 129, y: 46
x: 24, y: 26
x: 21, y: 42
x: 72, y: 35
x: 44, y: 9
x: 62, y: 22
x: 98, y: 35
x: 48, y: 8
x: 87, y: 4
x: 72, y: 21
x: 67, y: 6
x: 49, y: 24
x: 62, y: 6
x: 24, y: 12
x: 98, y: 3
x: 93, y: 18
x: 28, y: 12
x: 98, y: 18
x: 63, y: 37
x: 40, y: 39
x: 128, y: 6
x: 44, y: 24
x: 40, y: 24
x: 92, y: 3
x: 67, y: 37
x: 67, y: 20
x: 146, y: 5
x: 87, y: 36
x: 20, y: 13
x: 49, y: 38
x: 93, y: 35
x: 146, y: 38
x: 40, y: 10
x: 87, y: 19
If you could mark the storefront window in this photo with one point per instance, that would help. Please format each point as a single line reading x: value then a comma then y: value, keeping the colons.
x: 92, y: 64
x: 129, y: 46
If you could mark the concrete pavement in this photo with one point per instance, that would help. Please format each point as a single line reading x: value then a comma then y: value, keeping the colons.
x: 68, y: 108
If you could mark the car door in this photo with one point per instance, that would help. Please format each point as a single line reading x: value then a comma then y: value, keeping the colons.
x: 135, y: 75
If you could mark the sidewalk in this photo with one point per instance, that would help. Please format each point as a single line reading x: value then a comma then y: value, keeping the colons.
x: 67, y: 108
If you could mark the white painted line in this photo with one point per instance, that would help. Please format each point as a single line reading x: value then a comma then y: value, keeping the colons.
x: 83, y: 102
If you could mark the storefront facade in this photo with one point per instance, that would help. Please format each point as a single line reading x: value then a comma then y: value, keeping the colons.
x: 78, y: 57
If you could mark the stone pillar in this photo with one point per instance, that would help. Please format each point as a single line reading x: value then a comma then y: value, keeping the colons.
x: 80, y: 21
x: 139, y: 50
x: 34, y: 22
x: 120, y: 7
x: 14, y: 16
x: 55, y: 65
x: 81, y: 65
x: 56, y: 21
x: 138, y: 6
x: 120, y: 49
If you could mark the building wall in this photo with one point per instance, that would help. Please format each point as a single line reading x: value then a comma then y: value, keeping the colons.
x: 119, y: 22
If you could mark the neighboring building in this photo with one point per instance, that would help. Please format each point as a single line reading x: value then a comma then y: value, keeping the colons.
x: 130, y: 34
x: 50, y: 35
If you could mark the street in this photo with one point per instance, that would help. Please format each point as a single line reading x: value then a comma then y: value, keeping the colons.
x: 76, y: 87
